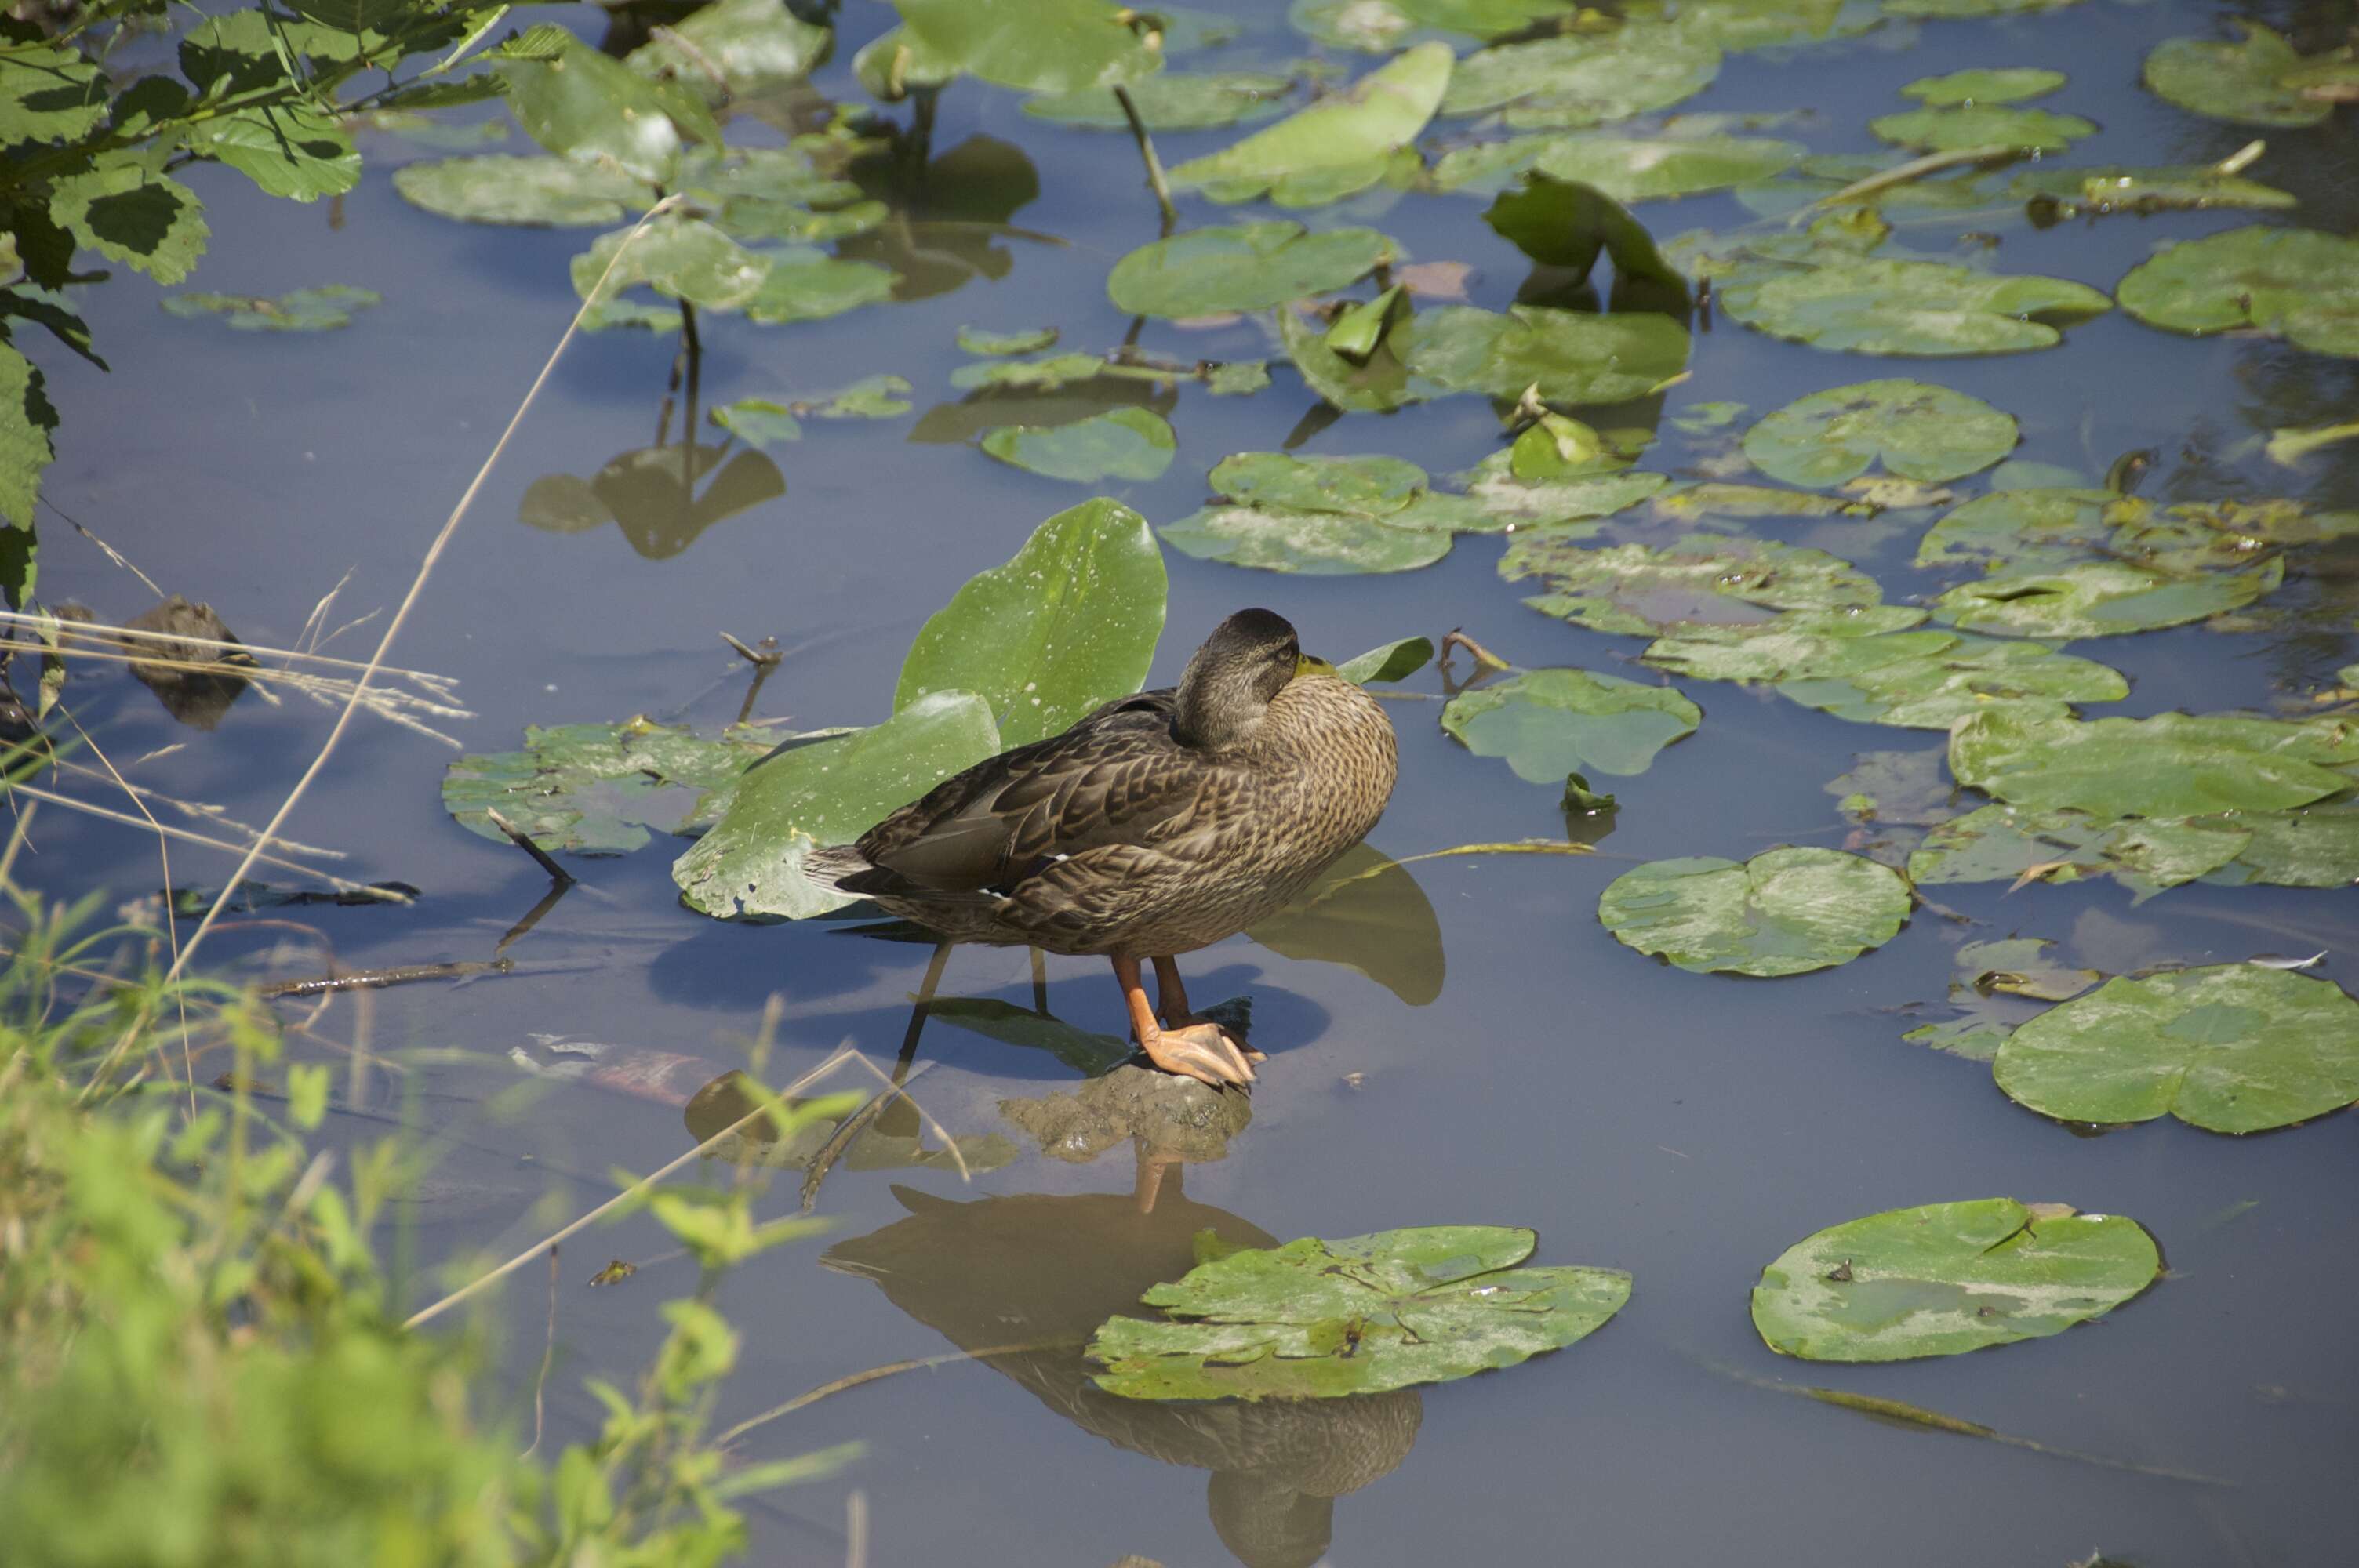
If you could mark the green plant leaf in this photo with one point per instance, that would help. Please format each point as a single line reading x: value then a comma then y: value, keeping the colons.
x: 1567, y: 505
x: 1033, y: 46
x: 2053, y: 195
x: 1551, y: 723
x: 2229, y: 1047
x: 755, y: 46
x: 27, y: 423
x: 1322, y: 1319
x: 2173, y: 764
x: 1783, y: 912
x: 2098, y: 599
x: 1701, y: 579
x: 2243, y: 83
x: 127, y: 212
x: 1173, y: 101
x: 1388, y: 663
x: 1947, y: 1277
x: 1375, y: 385
x: 1563, y: 223
x: 2295, y: 284
x: 1953, y: 9
x: 1571, y: 356
x: 316, y: 310
x: 582, y: 105
x: 596, y: 789
x: 1579, y: 80
x: 502, y: 188
x: 48, y: 93
x: 1956, y: 128
x: 1627, y: 168
x: 1740, y: 25
x: 1122, y: 443
x: 1070, y: 622
x: 1919, y: 432
x: 1994, y: 985
x: 289, y: 150
x: 1242, y: 267
x: 824, y: 793
x: 757, y: 421
x: 2006, y: 84
x: 2042, y: 526
x: 1339, y: 144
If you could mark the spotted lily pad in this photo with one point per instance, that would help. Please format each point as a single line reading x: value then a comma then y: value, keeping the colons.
x: 2172, y: 766
x: 1342, y: 143
x: 2230, y: 1047
x: 1571, y: 356
x: 1943, y: 1278
x: 1783, y: 912
x: 596, y: 789
x: 1551, y: 723
x: 1173, y: 101
x: 1626, y: 168
x: 1371, y: 486
x: 2008, y: 84
x: 1701, y: 580
x: 318, y: 310
x: 2042, y: 527
x: 2295, y: 284
x: 2244, y: 82
x: 1920, y: 432
x: 1321, y: 1319
x: 1964, y: 125
x: 1576, y: 79
x: 1122, y: 443
x: 1242, y: 267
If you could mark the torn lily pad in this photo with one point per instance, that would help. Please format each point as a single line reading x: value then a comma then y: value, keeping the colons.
x: 2228, y: 1047
x: 2255, y: 81
x: 1243, y: 266
x: 1173, y: 101
x: 1551, y: 723
x: 1783, y: 912
x: 1577, y: 79
x: 320, y: 309
x: 1322, y: 1319
x: 1122, y: 443
x: 2172, y: 766
x: 597, y: 789
x: 1917, y: 431
x: 1943, y: 1278
x: 2006, y: 84
x: 1701, y: 579
x: 2295, y: 284
x: 1341, y: 143
x: 1964, y: 125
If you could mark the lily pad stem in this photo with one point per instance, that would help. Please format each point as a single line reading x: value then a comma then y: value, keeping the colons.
x: 1153, y: 164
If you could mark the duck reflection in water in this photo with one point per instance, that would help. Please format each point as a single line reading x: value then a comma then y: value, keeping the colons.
x: 1040, y: 1270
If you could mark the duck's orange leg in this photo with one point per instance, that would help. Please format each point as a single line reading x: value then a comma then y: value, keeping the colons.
x: 1200, y: 1050
x: 1171, y: 1002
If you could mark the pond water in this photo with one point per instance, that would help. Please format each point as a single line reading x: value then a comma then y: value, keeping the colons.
x: 1686, y: 1128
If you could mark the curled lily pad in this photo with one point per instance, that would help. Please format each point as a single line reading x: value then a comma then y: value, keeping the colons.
x: 1701, y: 580
x: 1551, y: 723
x: 1033, y: 46
x: 1375, y: 383
x: 1576, y: 79
x: 2006, y: 84
x: 1321, y: 1319
x: 1173, y: 101
x: 1070, y: 622
x: 2295, y: 284
x: 499, y: 187
x: 1122, y: 443
x: 2173, y: 764
x: 1947, y: 1277
x: 1919, y: 431
x: 1783, y: 912
x: 2230, y: 1047
x: 1571, y: 356
x: 2244, y: 82
x: 1563, y: 223
x: 316, y: 310
x: 1392, y: 662
x: 1965, y: 125
x: 1341, y: 143
x: 1242, y: 267
x: 596, y: 789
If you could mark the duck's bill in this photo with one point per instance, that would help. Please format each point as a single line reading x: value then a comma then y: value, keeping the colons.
x: 1305, y: 665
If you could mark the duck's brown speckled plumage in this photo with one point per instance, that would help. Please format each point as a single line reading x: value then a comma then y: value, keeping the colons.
x: 1159, y: 824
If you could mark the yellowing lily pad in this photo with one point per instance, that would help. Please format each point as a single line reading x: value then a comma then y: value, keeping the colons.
x: 1551, y: 723
x: 1783, y: 912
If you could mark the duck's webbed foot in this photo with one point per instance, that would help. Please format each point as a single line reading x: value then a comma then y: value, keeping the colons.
x: 1202, y: 1051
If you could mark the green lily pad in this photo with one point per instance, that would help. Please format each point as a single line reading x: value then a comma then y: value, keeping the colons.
x: 680, y: 258
x: 1173, y: 101
x: 1392, y: 662
x: 1577, y: 80
x: 1807, y: 290
x: 1242, y: 267
x: 500, y: 188
x: 1122, y: 443
x: 1751, y: 501
x: 1368, y: 486
x: 1563, y: 223
x: 1919, y: 431
x: 2006, y: 84
x: 2099, y: 599
x: 1321, y: 1319
x: 1996, y: 983
x: 759, y: 421
x: 1783, y: 912
x: 2318, y: 848
x: 2228, y: 1047
x: 2243, y: 83
x: 2295, y: 284
x: 584, y: 106
x: 763, y: 420
x: 1071, y: 622
x: 1569, y: 507
x: 2172, y: 765
x: 1318, y: 544
x: 2146, y: 855
x: 596, y: 789
x: 1380, y: 26
x: 824, y: 793
x: 1627, y: 168
x: 805, y: 284
x: 1965, y: 125
x: 735, y: 49
x: 1947, y: 1277
x: 316, y: 310
x: 975, y: 341
x: 1341, y: 143
x: 1032, y: 46
x: 1955, y: 9
x: 1701, y: 579
x: 1571, y: 356
x: 1551, y: 723
x: 2053, y: 527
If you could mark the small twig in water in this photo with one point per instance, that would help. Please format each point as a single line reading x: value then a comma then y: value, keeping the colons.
x: 394, y: 975
x: 523, y: 840
x: 1997, y: 154
x: 1161, y: 187
x: 1456, y: 638
x: 893, y: 1368
x: 763, y: 658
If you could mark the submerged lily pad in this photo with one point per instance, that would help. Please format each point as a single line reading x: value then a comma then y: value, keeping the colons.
x: 1783, y: 912
x: 1242, y: 267
x: 1551, y: 723
x: 2172, y: 766
x: 1577, y: 79
x: 1321, y: 1319
x: 1628, y: 168
x: 1173, y: 101
x: 1571, y: 356
x: 1961, y: 126
x: 318, y: 310
x: 596, y: 789
x: 500, y: 188
x: 1122, y: 443
x: 2230, y: 1047
x: 1341, y: 143
x: 1701, y: 579
x: 2146, y: 855
x: 1943, y: 1278
x: 2243, y: 83
x: 1996, y: 983
x: 976, y: 341
x: 2006, y: 84
x: 2295, y: 284
x: 1070, y: 622
x: 1920, y: 432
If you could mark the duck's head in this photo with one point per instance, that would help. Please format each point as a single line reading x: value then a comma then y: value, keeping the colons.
x: 1237, y: 675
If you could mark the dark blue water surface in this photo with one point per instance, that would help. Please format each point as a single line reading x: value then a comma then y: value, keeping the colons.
x: 1684, y: 1128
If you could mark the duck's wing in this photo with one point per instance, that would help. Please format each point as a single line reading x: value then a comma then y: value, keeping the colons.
x: 1116, y: 777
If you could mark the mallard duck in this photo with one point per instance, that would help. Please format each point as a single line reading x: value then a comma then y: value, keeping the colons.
x: 1156, y: 824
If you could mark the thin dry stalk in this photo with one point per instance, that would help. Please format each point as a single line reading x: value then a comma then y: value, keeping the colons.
x: 253, y: 853
x: 444, y: 687
x: 198, y: 809
x: 892, y: 1369
x: 548, y: 1357
x: 523, y: 840
x: 855, y: 1529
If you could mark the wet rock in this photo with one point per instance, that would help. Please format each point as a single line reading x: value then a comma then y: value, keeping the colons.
x: 1166, y: 1115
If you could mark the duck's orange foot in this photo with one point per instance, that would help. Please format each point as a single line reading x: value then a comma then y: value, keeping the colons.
x: 1204, y: 1051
